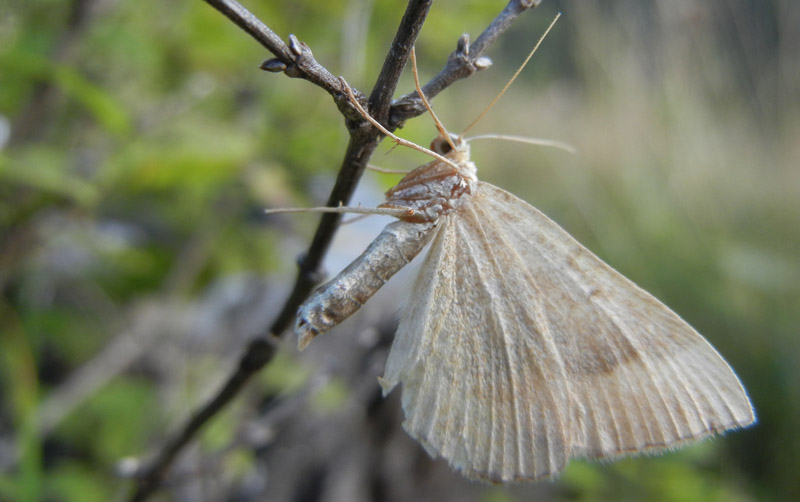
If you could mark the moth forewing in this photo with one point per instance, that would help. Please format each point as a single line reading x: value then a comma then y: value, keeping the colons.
x: 494, y: 404
x: 520, y: 348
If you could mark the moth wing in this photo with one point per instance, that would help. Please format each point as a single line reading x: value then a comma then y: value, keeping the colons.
x: 640, y: 378
x: 520, y: 348
x: 483, y: 383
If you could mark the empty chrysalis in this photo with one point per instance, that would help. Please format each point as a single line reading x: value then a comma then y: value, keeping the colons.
x: 519, y: 348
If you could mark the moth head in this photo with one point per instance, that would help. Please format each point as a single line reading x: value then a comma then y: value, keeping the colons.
x: 442, y: 146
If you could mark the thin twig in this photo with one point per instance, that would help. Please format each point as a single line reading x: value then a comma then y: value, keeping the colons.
x: 296, y: 58
x: 513, y: 78
x: 461, y: 63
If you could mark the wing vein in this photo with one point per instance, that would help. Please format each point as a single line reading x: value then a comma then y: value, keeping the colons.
x: 488, y: 223
x: 497, y: 316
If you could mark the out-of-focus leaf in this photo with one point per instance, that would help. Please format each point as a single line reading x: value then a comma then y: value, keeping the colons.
x: 97, y: 100
x: 114, y: 421
x: 196, y: 156
x: 70, y: 482
x: 101, y: 105
x: 44, y: 169
x: 18, y: 372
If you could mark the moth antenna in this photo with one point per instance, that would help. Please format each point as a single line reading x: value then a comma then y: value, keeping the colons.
x: 439, y: 126
x: 386, y: 211
x: 378, y: 169
x: 561, y: 145
x: 397, y: 139
x: 514, y: 77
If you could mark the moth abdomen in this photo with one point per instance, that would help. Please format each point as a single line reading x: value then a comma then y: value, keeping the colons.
x: 335, y: 301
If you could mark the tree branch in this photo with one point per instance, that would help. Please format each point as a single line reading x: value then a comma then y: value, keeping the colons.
x: 258, y: 353
x: 296, y: 60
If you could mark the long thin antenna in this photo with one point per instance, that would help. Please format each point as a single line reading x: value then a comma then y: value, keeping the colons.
x: 531, y: 141
x: 379, y: 169
x: 439, y: 125
x: 386, y: 211
x: 522, y: 66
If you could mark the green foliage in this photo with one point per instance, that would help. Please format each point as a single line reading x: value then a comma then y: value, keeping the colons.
x: 42, y: 170
x: 496, y: 494
x: 674, y: 477
x: 115, y: 408
x: 72, y: 482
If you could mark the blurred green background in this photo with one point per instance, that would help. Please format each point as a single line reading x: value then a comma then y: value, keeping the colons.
x: 139, y: 143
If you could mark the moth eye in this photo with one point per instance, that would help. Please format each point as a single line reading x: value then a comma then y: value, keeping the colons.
x: 441, y: 146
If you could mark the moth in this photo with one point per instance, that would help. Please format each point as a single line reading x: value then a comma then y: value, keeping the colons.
x: 519, y: 348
